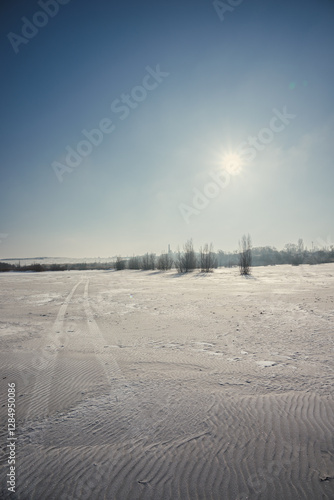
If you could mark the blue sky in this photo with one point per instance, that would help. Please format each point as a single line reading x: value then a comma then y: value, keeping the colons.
x: 223, y: 81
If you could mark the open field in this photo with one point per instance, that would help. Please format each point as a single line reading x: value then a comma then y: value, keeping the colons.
x: 145, y: 385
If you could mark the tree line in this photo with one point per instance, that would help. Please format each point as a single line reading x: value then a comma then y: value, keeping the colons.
x: 205, y: 260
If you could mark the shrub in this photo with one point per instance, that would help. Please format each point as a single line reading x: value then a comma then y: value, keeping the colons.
x: 186, y: 261
x: 245, y: 255
x: 165, y: 262
x: 119, y: 264
x: 134, y: 263
x: 148, y: 262
x: 208, y: 259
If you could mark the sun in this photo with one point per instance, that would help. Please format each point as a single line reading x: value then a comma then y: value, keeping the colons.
x: 232, y: 163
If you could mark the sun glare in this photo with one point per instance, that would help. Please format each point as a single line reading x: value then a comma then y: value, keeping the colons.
x: 232, y: 163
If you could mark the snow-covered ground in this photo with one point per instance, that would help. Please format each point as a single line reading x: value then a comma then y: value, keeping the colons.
x: 147, y: 385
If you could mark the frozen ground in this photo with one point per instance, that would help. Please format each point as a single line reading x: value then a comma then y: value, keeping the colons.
x: 142, y: 385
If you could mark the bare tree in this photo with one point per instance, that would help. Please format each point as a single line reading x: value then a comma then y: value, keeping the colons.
x: 119, y: 264
x: 148, y: 262
x: 165, y: 262
x: 145, y: 262
x: 179, y: 261
x: 152, y: 261
x: 300, y: 245
x: 134, y: 263
x: 245, y: 255
x: 208, y: 259
x: 186, y: 261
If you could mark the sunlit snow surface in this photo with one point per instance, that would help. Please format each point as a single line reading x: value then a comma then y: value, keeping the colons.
x: 149, y: 385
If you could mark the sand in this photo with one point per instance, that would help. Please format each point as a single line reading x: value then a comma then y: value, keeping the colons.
x: 147, y: 385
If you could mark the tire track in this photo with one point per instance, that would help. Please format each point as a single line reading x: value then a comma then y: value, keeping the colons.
x: 44, y: 365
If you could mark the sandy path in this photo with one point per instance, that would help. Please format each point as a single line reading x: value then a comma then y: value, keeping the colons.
x: 148, y: 386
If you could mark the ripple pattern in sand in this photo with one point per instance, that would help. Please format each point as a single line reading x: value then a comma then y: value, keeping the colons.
x: 258, y: 447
